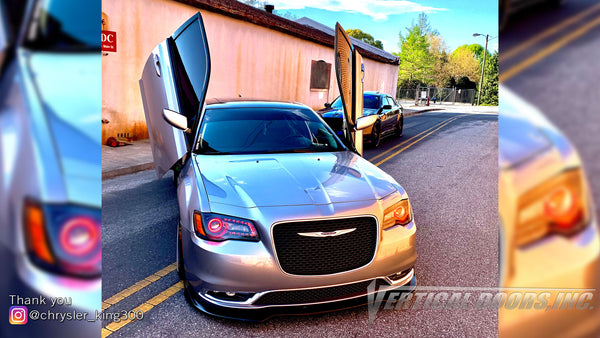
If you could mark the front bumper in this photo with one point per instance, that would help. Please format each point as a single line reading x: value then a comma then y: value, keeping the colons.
x: 242, y: 276
x: 253, y: 313
x: 557, y: 265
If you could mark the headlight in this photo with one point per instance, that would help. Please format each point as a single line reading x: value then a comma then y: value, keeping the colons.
x: 215, y: 227
x: 63, y: 238
x: 559, y: 205
x: 398, y: 214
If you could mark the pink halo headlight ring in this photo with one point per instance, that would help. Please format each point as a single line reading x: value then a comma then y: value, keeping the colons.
x: 79, y: 236
x: 216, y: 227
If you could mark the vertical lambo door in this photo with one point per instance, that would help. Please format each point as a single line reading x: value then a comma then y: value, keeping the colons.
x: 173, y: 88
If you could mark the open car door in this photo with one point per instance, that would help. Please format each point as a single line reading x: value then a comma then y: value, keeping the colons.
x: 173, y: 87
x: 350, y: 75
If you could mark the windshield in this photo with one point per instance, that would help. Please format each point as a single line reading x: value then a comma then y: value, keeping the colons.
x: 65, y: 25
x: 369, y: 102
x: 264, y: 130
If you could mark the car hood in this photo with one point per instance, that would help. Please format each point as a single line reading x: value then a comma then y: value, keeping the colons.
x: 337, y: 113
x: 518, y: 140
x: 523, y: 131
x: 69, y: 88
x: 292, y: 179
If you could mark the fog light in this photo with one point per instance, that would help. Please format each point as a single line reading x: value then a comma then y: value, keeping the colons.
x: 230, y: 296
x: 398, y: 276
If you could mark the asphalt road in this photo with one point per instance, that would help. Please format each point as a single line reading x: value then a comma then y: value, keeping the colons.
x: 447, y: 162
x: 550, y: 57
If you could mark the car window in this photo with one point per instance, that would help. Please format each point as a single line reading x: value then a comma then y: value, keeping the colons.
x: 370, y: 101
x: 337, y: 103
x: 264, y: 130
x: 63, y: 25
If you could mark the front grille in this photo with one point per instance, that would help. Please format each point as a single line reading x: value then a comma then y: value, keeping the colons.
x: 302, y: 255
x: 317, y: 295
x: 335, y: 123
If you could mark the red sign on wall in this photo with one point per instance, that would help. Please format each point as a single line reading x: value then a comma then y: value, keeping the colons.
x: 109, y: 41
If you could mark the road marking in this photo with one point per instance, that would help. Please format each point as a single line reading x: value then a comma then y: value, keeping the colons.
x: 548, y: 32
x: 404, y: 142
x: 145, y: 307
x: 424, y: 136
x: 138, y: 286
x: 510, y: 73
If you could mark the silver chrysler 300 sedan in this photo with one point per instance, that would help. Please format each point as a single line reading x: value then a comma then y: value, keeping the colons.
x: 277, y: 215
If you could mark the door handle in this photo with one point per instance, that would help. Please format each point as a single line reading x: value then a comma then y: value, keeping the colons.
x: 157, y: 64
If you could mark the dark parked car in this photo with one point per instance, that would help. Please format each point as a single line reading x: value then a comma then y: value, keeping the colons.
x: 390, y: 116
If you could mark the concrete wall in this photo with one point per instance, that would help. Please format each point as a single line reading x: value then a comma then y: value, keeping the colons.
x: 247, y: 59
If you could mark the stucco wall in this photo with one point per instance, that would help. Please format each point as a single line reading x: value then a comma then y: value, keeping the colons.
x: 247, y: 59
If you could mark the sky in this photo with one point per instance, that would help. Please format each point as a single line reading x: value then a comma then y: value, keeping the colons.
x: 455, y: 20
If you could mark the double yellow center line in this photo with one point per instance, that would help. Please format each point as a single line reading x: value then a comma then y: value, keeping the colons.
x: 506, y: 75
x: 411, y: 141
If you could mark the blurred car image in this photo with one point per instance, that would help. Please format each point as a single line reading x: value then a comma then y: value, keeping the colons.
x: 509, y: 7
x: 50, y: 177
x: 390, y: 116
x: 259, y: 182
x: 549, y: 239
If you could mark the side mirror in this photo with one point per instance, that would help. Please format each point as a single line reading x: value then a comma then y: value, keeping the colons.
x: 365, y: 122
x: 327, y: 105
x: 176, y: 120
x: 387, y: 106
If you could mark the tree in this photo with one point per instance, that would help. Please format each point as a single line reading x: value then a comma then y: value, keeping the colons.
x: 416, y: 61
x: 464, y: 63
x: 489, y: 91
x: 365, y: 37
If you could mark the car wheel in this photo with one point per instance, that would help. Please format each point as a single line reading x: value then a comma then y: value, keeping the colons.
x: 376, y: 135
x: 400, y: 127
x: 180, y: 265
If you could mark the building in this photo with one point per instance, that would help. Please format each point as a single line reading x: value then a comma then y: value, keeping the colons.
x: 254, y: 53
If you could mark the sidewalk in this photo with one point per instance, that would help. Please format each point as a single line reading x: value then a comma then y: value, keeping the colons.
x: 130, y: 159
x: 127, y: 159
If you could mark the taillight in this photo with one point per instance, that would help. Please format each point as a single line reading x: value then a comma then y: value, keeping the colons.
x: 65, y: 239
x: 217, y: 227
x: 398, y: 214
x: 560, y: 206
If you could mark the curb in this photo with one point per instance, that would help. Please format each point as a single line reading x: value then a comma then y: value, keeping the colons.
x: 415, y: 112
x: 106, y: 175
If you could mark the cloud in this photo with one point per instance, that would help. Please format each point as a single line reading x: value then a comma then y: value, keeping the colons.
x: 377, y: 9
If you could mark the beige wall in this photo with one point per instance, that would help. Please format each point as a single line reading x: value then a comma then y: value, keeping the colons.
x: 247, y: 59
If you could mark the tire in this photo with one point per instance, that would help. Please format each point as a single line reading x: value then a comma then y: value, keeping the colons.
x: 400, y: 127
x: 376, y: 135
x: 180, y: 265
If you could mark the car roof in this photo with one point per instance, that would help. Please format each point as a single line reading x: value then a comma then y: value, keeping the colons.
x: 223, y: 103
x: 374, y: 93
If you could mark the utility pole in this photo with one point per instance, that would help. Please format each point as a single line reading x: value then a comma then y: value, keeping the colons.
x: 483, y: 66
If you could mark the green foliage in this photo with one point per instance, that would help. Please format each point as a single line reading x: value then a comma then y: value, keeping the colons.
x: 489, y: 90
x: 365, y: 37
x: 474, y: 48
x: 416, y: 62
